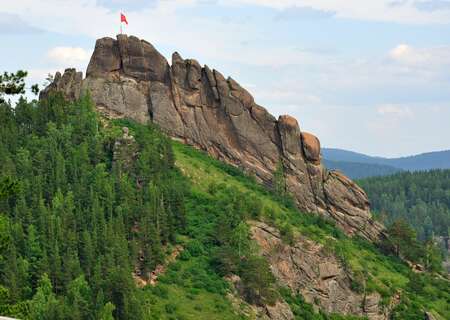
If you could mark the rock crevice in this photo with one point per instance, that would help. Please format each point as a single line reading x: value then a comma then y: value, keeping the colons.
x: 128, y: 77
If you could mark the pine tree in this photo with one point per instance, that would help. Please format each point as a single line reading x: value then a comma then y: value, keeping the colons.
x: 12, y: 84
x: 44, y: 304
x: 79, y: 299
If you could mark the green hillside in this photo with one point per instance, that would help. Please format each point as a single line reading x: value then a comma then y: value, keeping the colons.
x: 78, y: 219
x: 420, y: 198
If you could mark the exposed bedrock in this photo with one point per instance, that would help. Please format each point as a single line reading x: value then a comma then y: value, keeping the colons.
x: 307, y: 269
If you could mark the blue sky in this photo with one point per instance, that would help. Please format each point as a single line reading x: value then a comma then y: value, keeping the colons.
x: 366, y: 75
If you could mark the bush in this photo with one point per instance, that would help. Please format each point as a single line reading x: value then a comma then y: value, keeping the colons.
x: 287, y: 234
x: 170, y: 308
x: 258, y: 281
x: 254, y: 207
x: 195, y: 248
x: 185, y: 255
x: 160, y: 291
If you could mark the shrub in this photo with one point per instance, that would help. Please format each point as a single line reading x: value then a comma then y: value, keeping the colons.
x: 170, y: 308
x: 160, y: 291
x: 287, y: 234
x: 195, y: 248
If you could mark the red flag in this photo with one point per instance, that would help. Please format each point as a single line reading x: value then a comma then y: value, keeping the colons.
x: 123, y: 18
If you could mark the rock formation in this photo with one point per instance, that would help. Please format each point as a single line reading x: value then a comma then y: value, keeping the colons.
x: 319, y: 277
x: 128, y: 77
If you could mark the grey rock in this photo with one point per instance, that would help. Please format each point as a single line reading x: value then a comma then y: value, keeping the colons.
x: 141, y: 60
x: 69, y: 85
x: 122, y: 96
x: 105, y: 59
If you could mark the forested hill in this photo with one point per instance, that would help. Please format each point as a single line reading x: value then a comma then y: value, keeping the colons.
x: 424, y: 161
x: 73, y: 222
x: 110, y: 219
x: 359, y: 170
x: 421, y: 198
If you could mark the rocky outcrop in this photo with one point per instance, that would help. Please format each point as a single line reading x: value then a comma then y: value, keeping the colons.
x: 69, y: 84
x: 318, y: 276
x: 128, y: 77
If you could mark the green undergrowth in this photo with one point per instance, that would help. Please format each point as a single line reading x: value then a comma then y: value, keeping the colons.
x: 189, y: 290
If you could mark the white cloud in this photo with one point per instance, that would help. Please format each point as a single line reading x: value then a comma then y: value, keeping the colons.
x: 428, y: 57
x: 370, y: 10
x: 69, y: 56
x: 285, y: 79
x: 401, y: 51
x: 395, y: 110
x: 88, y: 17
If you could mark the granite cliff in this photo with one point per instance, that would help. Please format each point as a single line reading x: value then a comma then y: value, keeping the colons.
x: 128, y: 77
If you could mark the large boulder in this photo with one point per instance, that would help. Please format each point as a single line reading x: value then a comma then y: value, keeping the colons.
x: 311, y: 147
x: 128, y: 77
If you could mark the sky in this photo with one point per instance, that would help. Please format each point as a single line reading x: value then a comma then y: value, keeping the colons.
x: 371, y: 76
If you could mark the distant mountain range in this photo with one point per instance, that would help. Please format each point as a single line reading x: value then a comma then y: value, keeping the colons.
x: 357, y: 165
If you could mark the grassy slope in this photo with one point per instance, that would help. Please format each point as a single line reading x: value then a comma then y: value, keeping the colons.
x: 191, y: 290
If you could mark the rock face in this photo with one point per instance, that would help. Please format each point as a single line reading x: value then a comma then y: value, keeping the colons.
x: 307, y: 269
x: 128, y: 77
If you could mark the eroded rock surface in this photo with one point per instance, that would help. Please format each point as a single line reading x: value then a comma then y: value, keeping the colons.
x: 307, y: 269
x: 128, y: 77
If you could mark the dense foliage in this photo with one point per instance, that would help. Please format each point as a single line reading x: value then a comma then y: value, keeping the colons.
x: 74, y: 223
x: 420, y: 198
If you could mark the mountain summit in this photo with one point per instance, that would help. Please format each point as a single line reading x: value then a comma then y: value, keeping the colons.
x: 127, y: 77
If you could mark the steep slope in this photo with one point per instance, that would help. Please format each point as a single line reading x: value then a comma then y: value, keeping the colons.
x: 128, y: 77
x: 424, y: 161
x: 310, y: 258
